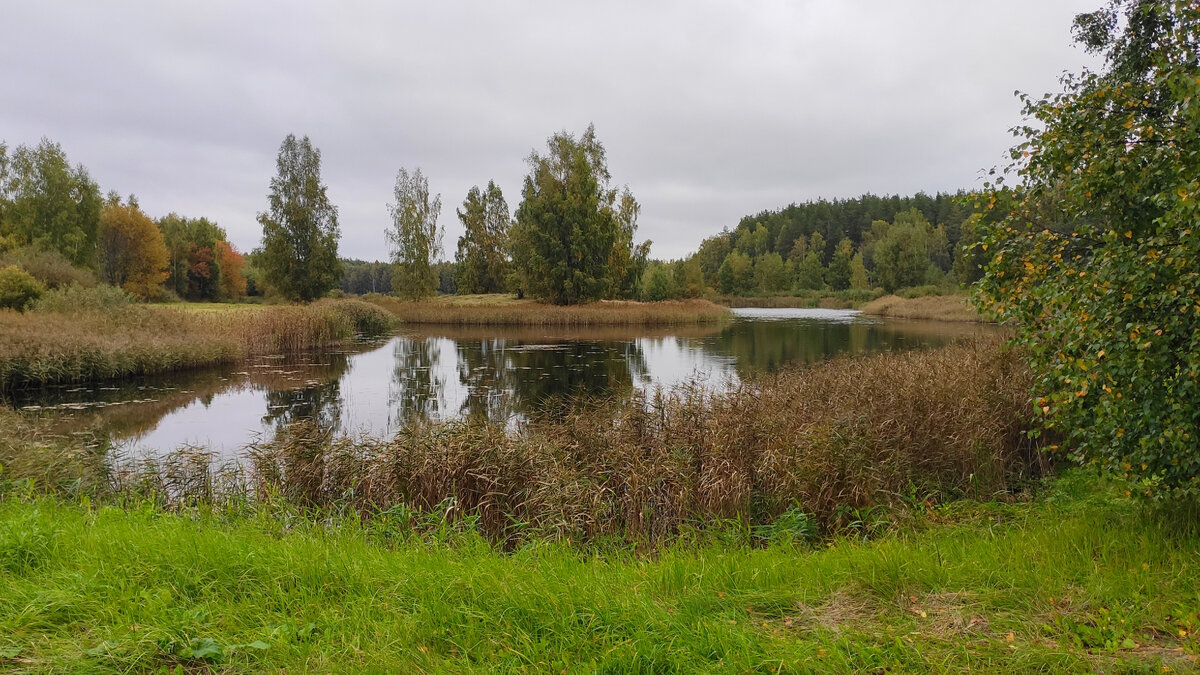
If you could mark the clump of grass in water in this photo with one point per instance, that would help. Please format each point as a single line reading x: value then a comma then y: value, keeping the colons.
x: 103, y: 339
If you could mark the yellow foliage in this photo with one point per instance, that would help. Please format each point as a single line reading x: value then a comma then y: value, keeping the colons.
x: 133, y: 255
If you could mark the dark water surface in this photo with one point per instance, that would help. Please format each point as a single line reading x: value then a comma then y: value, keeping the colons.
x: 442, y: 373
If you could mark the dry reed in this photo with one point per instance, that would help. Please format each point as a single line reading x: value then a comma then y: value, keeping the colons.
x: 827, y: 440
x: 40, y: 348
x: 931, y: 307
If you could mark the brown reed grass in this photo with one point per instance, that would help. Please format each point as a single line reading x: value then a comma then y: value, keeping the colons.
x: 930, y: 307
x: 829, y: 440
x: 40, y: 348
x: 507, y: 311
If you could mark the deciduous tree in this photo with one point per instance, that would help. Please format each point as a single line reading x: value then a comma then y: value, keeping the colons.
x: 1096, y: 258
x: 414, y: 237
x: 49, y: 204
x: 300, y: 227
x: 482, y: 254
x: 570, y: 223
x: 132, y: 253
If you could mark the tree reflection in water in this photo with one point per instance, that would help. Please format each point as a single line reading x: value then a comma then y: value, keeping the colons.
x: 417, y: 389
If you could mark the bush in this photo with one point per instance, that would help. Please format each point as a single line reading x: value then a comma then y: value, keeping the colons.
x: 48, y: 267
x: 79, y: 298
x: 18, y: 289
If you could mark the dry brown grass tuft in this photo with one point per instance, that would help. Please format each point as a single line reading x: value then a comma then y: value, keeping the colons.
x: 501, y: 310
x: 932, y: 307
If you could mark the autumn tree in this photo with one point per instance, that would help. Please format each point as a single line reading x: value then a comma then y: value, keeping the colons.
x: 48, y: 203
x: 482, y: 254
x: 132, y: 253
x: 1095, y: 256
x: 414, y: 237
x: 573, y: 239
x: 232, y: 281
x: 194, y: 269
x: 300, y: 226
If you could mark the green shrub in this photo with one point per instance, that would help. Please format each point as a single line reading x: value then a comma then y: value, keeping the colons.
x: 79, y: 298
x: 48, y: 267
x: 18, y: 289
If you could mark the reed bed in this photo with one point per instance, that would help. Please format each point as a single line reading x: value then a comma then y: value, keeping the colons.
x: 844, y: 444
x: 930, y: 307
x: 505, y: 311
x: 41, y: 348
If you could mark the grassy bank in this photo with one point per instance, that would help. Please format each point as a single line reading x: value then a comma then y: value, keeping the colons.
x: 506, y: 310
x: 929, y: 307
x: 81, y: 344
x: 1076, y: 580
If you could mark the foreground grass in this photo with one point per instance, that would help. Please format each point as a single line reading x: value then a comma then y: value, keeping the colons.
x: 41, y: 348
x: 930, y: 307
x: 506, y: 310
x: 1076, y: 580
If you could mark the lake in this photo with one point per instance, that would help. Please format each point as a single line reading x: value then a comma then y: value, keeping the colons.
x: 443, y: 373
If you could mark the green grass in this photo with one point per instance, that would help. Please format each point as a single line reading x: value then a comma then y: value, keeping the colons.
x: 1075, y: 580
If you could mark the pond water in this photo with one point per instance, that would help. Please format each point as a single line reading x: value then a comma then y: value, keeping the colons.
x: 442, y: 373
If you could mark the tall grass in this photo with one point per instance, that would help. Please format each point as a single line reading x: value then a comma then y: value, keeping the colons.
x: 506, y: 311
x: 931, y: 307
x: 74, y: 342
x: 832, y: 441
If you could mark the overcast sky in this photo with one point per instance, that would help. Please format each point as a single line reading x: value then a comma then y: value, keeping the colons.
x: 708, y: 110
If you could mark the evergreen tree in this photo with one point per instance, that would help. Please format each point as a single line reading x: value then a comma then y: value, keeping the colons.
x: 300, y: 227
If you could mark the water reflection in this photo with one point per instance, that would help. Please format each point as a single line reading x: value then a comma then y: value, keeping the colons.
x: 439, y: 374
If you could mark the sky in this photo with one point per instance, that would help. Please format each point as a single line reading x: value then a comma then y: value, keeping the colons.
x: 708, y: 111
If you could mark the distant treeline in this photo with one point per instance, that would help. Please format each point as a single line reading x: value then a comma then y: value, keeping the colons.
x: 57, y: 229
x: 858, y: 244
